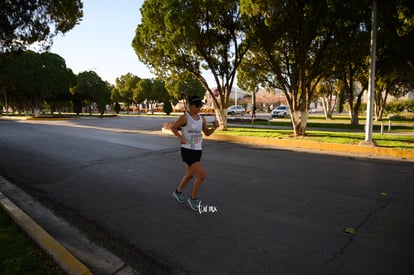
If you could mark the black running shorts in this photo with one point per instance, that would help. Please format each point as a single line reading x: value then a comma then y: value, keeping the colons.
x: 190, y: 156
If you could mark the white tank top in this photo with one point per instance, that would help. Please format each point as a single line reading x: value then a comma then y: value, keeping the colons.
x: 192, y: 132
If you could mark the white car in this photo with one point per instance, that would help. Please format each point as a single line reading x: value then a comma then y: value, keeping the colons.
x: 236, y: 110
x: 280, y: 111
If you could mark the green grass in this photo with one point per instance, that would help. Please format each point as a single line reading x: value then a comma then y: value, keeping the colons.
x: 339, y: 123
x: 19, y: 254
x: 388, y: 140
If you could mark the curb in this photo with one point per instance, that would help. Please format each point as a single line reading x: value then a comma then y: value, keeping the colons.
x: 61, y: 255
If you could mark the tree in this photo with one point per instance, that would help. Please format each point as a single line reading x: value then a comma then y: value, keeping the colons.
x: 55, y: 80
x: 393, y: 85
x: 195, y: 36
x: 24, y: 22
x: 161, y: 94
x: 267, y: 99
x: 110, y: 87
x: 142, y: 91
x: 30, y: 79
x: 167, y: 108
x: 409, y: 105
x: 125, y: 86
x: 181, y: 88
x: 351, y: 58
x: 393, y: 59
x: 103, y: 96
x: 327, y: 91
x: 396, y: 30
x: 116, y: 98
x: 296, y: 39
x: 251, y: 75
x: 394, y: 67
x: 90, y: 89
x: 352, y: 74
x: 151, y: 90
x: 18, y: 79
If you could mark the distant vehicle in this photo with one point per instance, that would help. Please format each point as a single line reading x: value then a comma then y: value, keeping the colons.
x: 280, y: 111
x: 236, y: 110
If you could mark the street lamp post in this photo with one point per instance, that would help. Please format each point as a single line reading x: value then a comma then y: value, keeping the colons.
x: 371, y: 84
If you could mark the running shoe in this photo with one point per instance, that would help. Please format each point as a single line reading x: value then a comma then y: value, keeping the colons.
x: 179, y: 196
x: 194, y: 204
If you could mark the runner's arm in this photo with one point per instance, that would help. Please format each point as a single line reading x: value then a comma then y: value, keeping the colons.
x: 208, y: 131
x: 181, y: 121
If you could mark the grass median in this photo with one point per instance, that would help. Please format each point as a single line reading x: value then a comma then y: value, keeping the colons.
x: 390, y: 134
x: 19, y: 254
x: 388, y: 140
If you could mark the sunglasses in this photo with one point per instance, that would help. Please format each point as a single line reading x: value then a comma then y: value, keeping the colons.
x: 197, y: 104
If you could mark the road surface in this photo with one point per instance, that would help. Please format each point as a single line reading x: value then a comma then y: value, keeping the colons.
x: 266, y: 211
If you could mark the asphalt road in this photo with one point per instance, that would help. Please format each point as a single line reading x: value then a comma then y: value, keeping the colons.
x: 267, y: 210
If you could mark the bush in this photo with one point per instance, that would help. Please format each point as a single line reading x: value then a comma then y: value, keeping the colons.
x: 117, y: 107
x: 409, y: 105
x: 101, y: 107
x: 395, y: 106
x: 77, y: 108
x: 167, y: 108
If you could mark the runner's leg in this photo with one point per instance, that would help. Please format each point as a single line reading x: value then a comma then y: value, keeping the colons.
x: 199, y: 173
x: 186, y: 178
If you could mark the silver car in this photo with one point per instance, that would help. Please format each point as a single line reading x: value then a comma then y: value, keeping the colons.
x: 236, y: 110
x: 280, y: 111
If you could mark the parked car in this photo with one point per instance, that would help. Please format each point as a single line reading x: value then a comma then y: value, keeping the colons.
x: 280, y: 111
x: 236, y: 110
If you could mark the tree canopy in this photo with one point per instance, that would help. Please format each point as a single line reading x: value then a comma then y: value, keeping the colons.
x: 29, y: 79
x: 125, y: 87
x: 24, y: 22
x: 298, y: 43
x: 184, y: 87
x: 195, y: 36
x: 88, y: 89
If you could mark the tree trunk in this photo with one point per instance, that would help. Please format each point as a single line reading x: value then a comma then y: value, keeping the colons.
x: 37, y: 107
x: 299, y: 121
x: 220, y: 104
x: 328, y: 107
x: 52, y: 109
x: 354, y: 117
x: 354, y: 109
x: 380, y: 105
x: 379, y: 114
x: 127, y: 104
x: 221, y: 116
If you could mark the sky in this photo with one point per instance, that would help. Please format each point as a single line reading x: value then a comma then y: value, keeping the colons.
x: 102, y: 40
